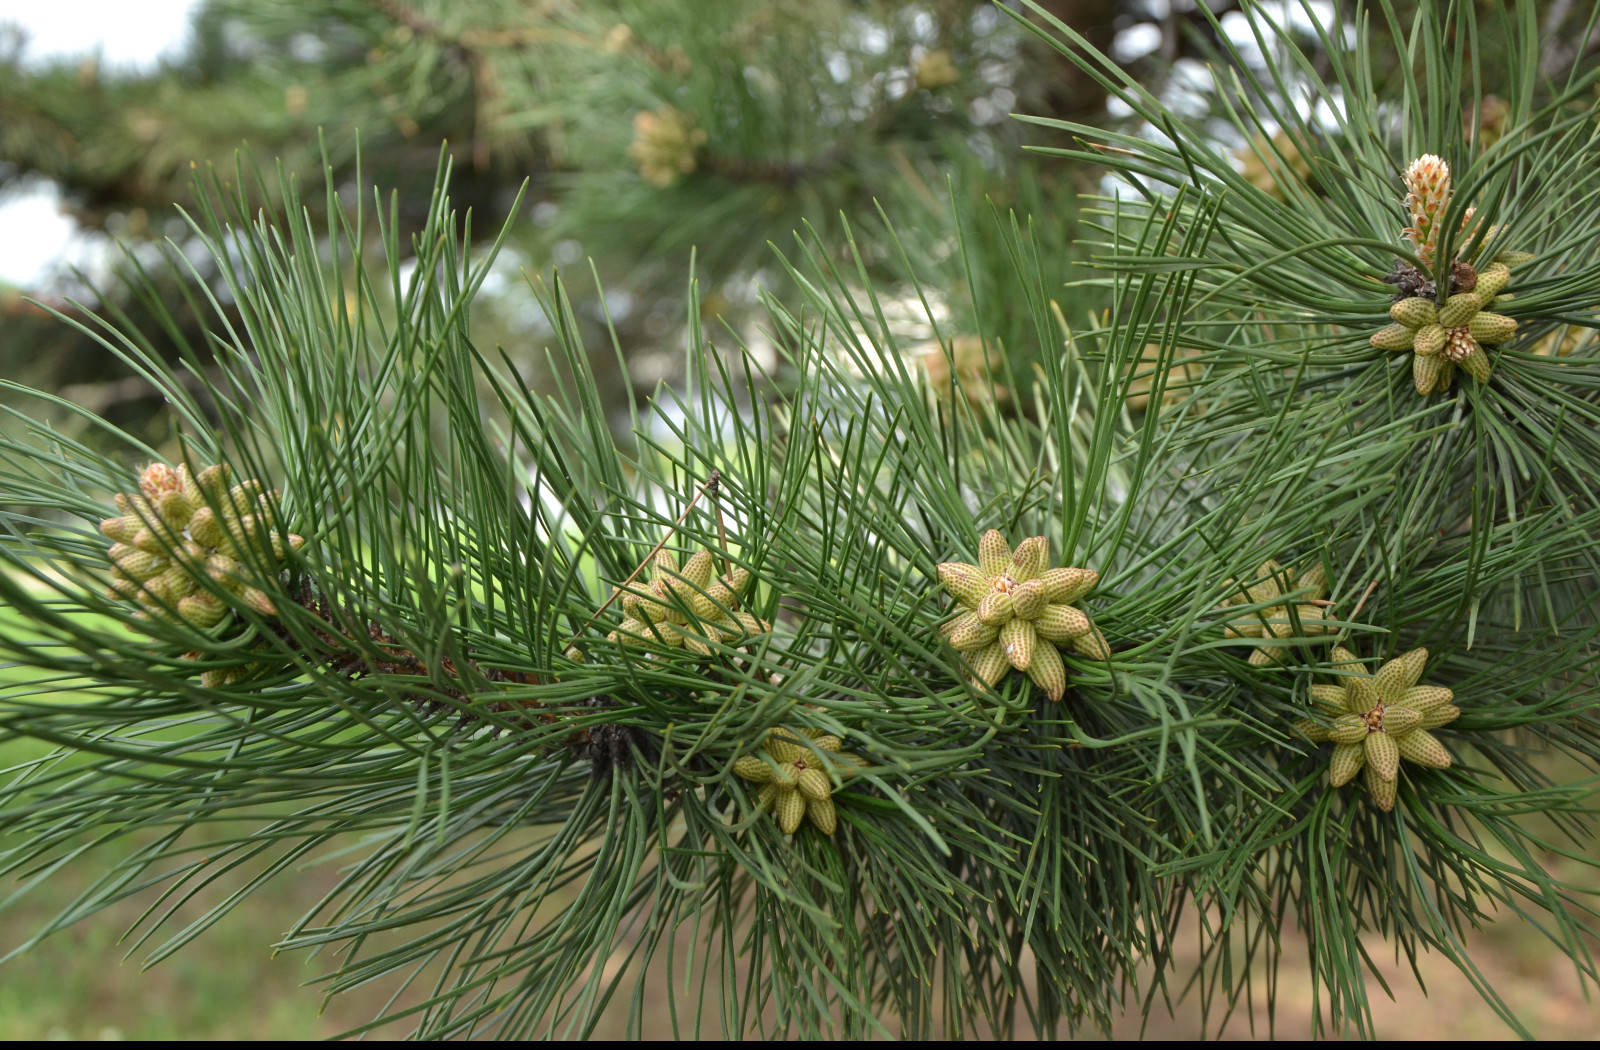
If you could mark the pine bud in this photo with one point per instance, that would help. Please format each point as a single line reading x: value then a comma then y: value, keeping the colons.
x: 1440, y: 716
x: 146, y: 540
x: 994, y: 555
x: 244, y: 496
x: 1018, y: 641
x: 141, y: 564
x: 1312, y: 731
x: 935, y: 69
x: 970, y: 632
x: 1328, y: 697
x: 1426, y: 697
x: 1510, y: 258
x: 174, y: 584
x: 684, y: 608
x: 1459, y: 308
x: 996, y: 609
x: 753, y: 768
x: 1424, y: 749
x: 1028, y: 600
x: 1348, y: 729
x: 124, y: 588
x: 1414, y: 312
x: 1491, y: 280
x: 966, y: 582
x: 121, y: 529
x: 201, y: 610
x: 1492, y: 329
x: 696, y: 575
x: 1346, y: 762
x: 1476, y: 362
x: 222, y: 676
x: 1382, y: 789
x: 1029, y: 559
x: 1027, y: 605
x: 1048, y: 671
x: 1430, y: 339
x: 224, y: 571
x: 824, y: 741
x: 668, y: 635
x: 1427, y: 373
x: 735, y: 581
x: 175, y: 510
x: 1393, y: 337
x: 1397, y: 676
x: 1383, y: 754
x: 1398, y: 720
x: 1064, y: 586
x: 813, y: 784
x: 751, y: 625
x: 156, y: 596
x: 989, y: 664
x: 258, y: 600
x: 791, y: 809
x: 782, y: 745
x: 1093, y: 645
x: 664, y: 145
x: 244, y: 531
x: 823, y: 814
x: 1062, y: 623
x: 205, y: 528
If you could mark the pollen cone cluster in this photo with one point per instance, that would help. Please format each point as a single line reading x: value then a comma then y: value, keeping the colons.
x: 1015, y: 612
x: 664, y: 145
x: 177, y: 531
x: 1280, y: 620
x: 798, y: 775
x: 686, y: 608
x: 1378, y: 720
x: 1443, y: 338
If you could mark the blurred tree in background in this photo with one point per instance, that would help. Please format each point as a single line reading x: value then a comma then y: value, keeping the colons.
x: 647, y: 130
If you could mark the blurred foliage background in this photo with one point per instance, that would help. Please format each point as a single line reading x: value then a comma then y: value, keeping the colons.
x: 652, y: 135
x: 646, y: 131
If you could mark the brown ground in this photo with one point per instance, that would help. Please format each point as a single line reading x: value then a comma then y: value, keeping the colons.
x: 226, y: 986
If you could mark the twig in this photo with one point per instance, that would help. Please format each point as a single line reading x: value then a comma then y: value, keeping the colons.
x: 1357, y: 610
x: 714, y: 486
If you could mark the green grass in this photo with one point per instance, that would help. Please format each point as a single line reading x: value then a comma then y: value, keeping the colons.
x: 79, y: 985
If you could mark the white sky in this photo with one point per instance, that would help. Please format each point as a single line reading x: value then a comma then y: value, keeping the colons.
x: 34, y: 235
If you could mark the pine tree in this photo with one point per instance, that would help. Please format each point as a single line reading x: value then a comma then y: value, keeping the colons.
x: 862, y: 697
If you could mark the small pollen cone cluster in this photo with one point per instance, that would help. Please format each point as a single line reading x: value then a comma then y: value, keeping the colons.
x: 1278, y: 621
x: 1379, y: 719
x: 1443, y: 338
x: 797, y: 779
x: 1015, y: 612
x: 686, y: 608
x: 935, y: 69
x: 178, y: 530
x: 664, y: 145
